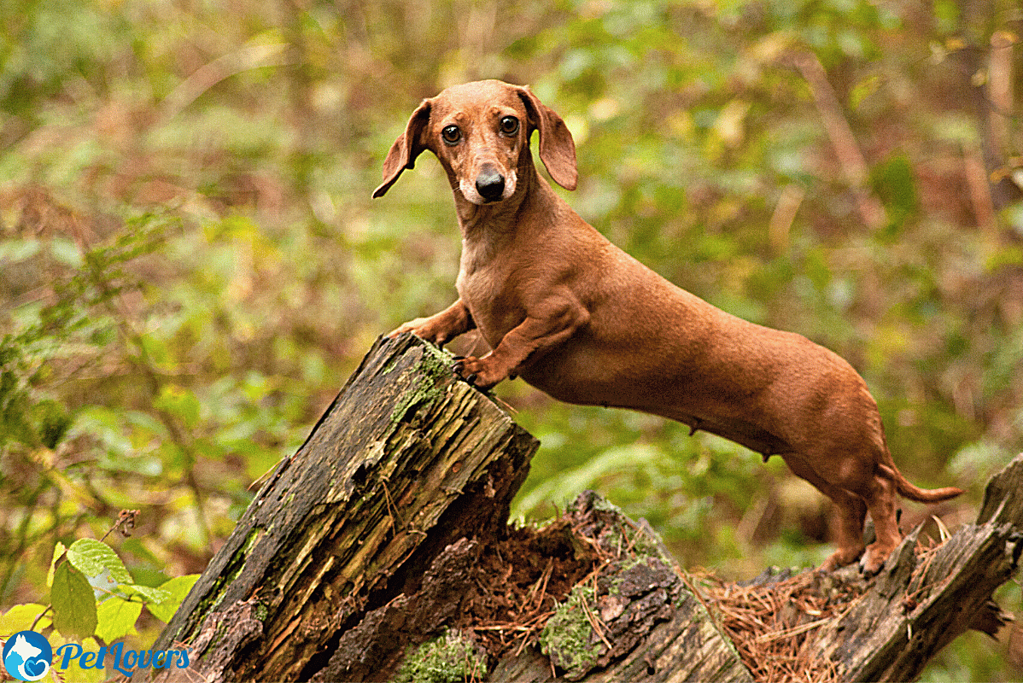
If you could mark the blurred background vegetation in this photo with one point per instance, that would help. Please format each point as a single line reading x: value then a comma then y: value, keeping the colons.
x: 191, y: 265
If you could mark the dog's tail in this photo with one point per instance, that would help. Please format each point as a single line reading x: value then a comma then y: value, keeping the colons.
x: 908, y: 490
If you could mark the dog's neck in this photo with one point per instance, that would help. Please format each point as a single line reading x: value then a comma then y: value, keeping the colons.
x: 490, y: 230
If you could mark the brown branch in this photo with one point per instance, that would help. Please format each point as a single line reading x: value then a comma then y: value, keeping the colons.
x: 208, y: 75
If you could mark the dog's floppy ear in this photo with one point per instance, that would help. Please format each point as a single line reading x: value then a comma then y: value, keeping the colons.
x: 406, y: 148
x: 557, y: 150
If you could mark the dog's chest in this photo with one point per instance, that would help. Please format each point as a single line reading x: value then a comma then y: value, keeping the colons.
x: 496, y: 308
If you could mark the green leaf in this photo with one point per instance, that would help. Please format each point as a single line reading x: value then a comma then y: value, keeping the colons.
x: 894, y: 183
x: 21, y: 618
x: 67, y: 252
x: 180, y: 402
x: 58, y: 552
x: 176, y: 588
x: 116, y: 618
x: 53, y: 420
x: 863, y: 89
x: 91, y: 557
x: 74, y: 608
x: 147, y: 593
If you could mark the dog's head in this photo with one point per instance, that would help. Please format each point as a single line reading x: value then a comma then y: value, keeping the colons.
x: 478, y: 132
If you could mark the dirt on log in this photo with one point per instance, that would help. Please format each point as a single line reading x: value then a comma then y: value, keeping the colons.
x: 381, y: 551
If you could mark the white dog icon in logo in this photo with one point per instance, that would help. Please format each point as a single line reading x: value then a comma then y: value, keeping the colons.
x: 27, y: 656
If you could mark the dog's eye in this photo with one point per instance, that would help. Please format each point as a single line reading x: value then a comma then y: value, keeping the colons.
x: 509, y: 125
x: 451, y: 135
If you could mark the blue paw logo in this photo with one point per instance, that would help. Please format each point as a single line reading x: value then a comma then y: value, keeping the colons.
x: 27, y: 656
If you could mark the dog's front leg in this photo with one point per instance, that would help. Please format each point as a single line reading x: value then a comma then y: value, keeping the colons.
x: 442, y: 327
x: 552, y: 324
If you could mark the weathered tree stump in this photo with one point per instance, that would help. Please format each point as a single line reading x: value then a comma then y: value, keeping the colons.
x: 405, y: 461
x: 381, y: 551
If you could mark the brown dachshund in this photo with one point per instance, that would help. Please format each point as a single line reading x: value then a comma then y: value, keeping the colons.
x: 578, y: 318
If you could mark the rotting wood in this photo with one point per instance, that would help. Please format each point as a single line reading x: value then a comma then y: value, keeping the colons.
x: 808, y: 626
x: 388, y: 530
x: 888, y: 628
x: 635, y: 618
x: 405, y: 461
x: 628, y: 615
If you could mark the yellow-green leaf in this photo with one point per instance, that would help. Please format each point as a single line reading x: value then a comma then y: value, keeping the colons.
x: 116, y: 618
x: 58, y: 551
x: 74, y: 608
x: 91, y: 557
x: 176, y: 588
x: 21, y: 618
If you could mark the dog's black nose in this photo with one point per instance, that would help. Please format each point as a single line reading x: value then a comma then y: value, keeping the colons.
x: 490, y: 184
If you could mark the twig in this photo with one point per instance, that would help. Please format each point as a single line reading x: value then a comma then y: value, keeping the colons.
x: 125, y: 522
x: 208, y: 75
x: 778, y: 230
x: 38, y: 617
x: 980, y: 191
x: 854, y: 167
x: 595, y: 622
x: 1000, y: 91
x: 788, y: 633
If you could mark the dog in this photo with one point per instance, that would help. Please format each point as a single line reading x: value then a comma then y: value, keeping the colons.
x: 578, y: 318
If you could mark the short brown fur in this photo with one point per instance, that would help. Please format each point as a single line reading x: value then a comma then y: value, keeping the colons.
x: 578, y: 318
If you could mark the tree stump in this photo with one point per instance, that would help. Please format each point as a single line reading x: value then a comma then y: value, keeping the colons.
x: 405, y: 461
x: 381, y: 551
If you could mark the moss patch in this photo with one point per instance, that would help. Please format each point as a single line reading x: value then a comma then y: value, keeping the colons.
x: 450, y: 658
x: 568, y: 637
x: 435, y: 366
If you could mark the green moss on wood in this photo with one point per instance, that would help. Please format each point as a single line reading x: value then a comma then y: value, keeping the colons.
x: 434, y: 365
x: 568, y: 638
x: 450, y: 658
x: 234, y: 567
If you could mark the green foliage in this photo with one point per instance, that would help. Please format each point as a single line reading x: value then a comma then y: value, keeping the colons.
x: 176, y: 590
x: 93, y: 558
x: 74, y: 609
x: 71, y: 456
x: 92, y: 595
x: 190, y: 262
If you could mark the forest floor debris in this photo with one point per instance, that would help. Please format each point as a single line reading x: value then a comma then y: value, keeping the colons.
x: 523, y: 579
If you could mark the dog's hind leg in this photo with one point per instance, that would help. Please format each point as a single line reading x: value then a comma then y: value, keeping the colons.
x: 851, y: 509
x: 882, y: 503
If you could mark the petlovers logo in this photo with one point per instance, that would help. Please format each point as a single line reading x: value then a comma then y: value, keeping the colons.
x: 27, y: 656
x: 123, y: 660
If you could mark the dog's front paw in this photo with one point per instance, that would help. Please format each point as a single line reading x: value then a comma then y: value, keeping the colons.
x: 424, y: 328
x: 481, y: 373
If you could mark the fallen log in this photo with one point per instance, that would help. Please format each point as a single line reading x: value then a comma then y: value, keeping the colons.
x: 381, y: 551
x: 888, y: 628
